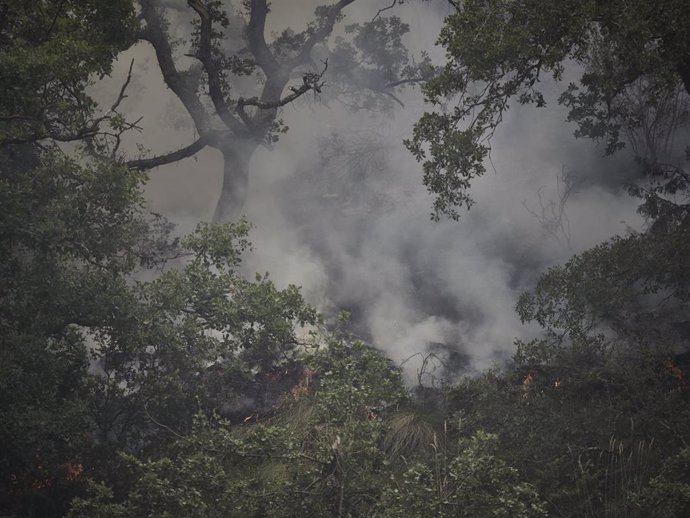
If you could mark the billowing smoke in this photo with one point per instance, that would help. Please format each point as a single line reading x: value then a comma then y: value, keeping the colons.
x: 354, y: 230
x: 339, y: 209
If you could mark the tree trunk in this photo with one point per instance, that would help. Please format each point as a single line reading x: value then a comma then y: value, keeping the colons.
x: 236, y: 158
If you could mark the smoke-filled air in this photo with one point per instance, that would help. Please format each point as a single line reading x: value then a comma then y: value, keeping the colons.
x: 350, y: 258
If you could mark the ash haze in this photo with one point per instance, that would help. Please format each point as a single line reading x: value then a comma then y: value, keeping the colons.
x: 339, y: 208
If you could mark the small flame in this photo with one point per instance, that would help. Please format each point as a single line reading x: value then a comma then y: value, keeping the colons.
x: 302, y: 388
x: 73, y: 471
x: 528, y: 379
x: 527, y: 382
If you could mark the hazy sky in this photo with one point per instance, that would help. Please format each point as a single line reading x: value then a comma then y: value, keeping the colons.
x: 362, y: 240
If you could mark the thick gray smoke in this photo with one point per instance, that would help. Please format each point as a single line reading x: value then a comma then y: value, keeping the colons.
x: 339, y: 209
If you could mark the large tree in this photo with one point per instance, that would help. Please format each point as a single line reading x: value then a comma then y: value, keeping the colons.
x: 498, y: 51
x: 228, y: 41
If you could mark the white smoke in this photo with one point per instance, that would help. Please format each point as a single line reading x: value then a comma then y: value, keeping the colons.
x: 370, y: 247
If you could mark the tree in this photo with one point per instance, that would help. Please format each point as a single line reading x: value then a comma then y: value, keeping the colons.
x: 498, y: 51
x: 634, y: 286
x: 49, y: 51
x: 69, y: 236
x: 475, y: 482
x: 594, y: 406
x: 93, y: 360
x: 336, y: 446
x: 67, y: 231
x: 589, y: 422
x: 318, y: 455
x: 668, y: 494
x: 197, y: 337
x: 229, y: 42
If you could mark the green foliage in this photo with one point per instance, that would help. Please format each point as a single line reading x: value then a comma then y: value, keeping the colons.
x: 93, y: 361
x: 142, y: 375
x: 632, y: 285
x: 99, y: 505
x: 318, y: 455
x: 497, y: 52
x: 368, y: 68
x: 591, y: 409
x: 49, y: 51
x: 668, y: 494
x: 588, y: 424
x: 69, y: 234
x: 473, y: 483
x: 196, y: 335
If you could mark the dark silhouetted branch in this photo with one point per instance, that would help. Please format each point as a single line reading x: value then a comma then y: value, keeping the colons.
x: 310, y: 81
x: 90, y: 130
x: 180, y: 83
x: 205, y: 55
x: 410, y: 81
x: 388, y: 94
x: 383, y: 9
x: 319, y: 34
x: 149, y: 163
x: 122, y: 95
x: 58, y: 12
x: 684, y: 73
x: 258, y: 10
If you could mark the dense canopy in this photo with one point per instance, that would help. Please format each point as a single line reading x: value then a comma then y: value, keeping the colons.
x: 145, y: 373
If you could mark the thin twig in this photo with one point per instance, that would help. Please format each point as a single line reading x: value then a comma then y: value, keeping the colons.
x: 378, y: 13
x: 146, y: 410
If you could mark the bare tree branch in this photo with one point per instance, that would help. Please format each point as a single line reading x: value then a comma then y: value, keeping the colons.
x: 310, y: 81
x: 10, y: 118
x: 89, y: 131
x: 205, y: 55
x: 58, y: 12
x: 410, y: 81
x: 180, y: 83
x: 158, y: 423
x: 122, y: 95
x: 552, y: 214
x: 383, y: 9
x: 257, y: 41
x: 389, y: 94
x: 320, y: 34
x: 143, y: 164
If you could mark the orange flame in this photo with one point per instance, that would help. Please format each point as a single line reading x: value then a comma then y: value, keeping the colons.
x: 73, y: 471
x: 527, y: 382
x: 302, y: 388
x: 528, y: 379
